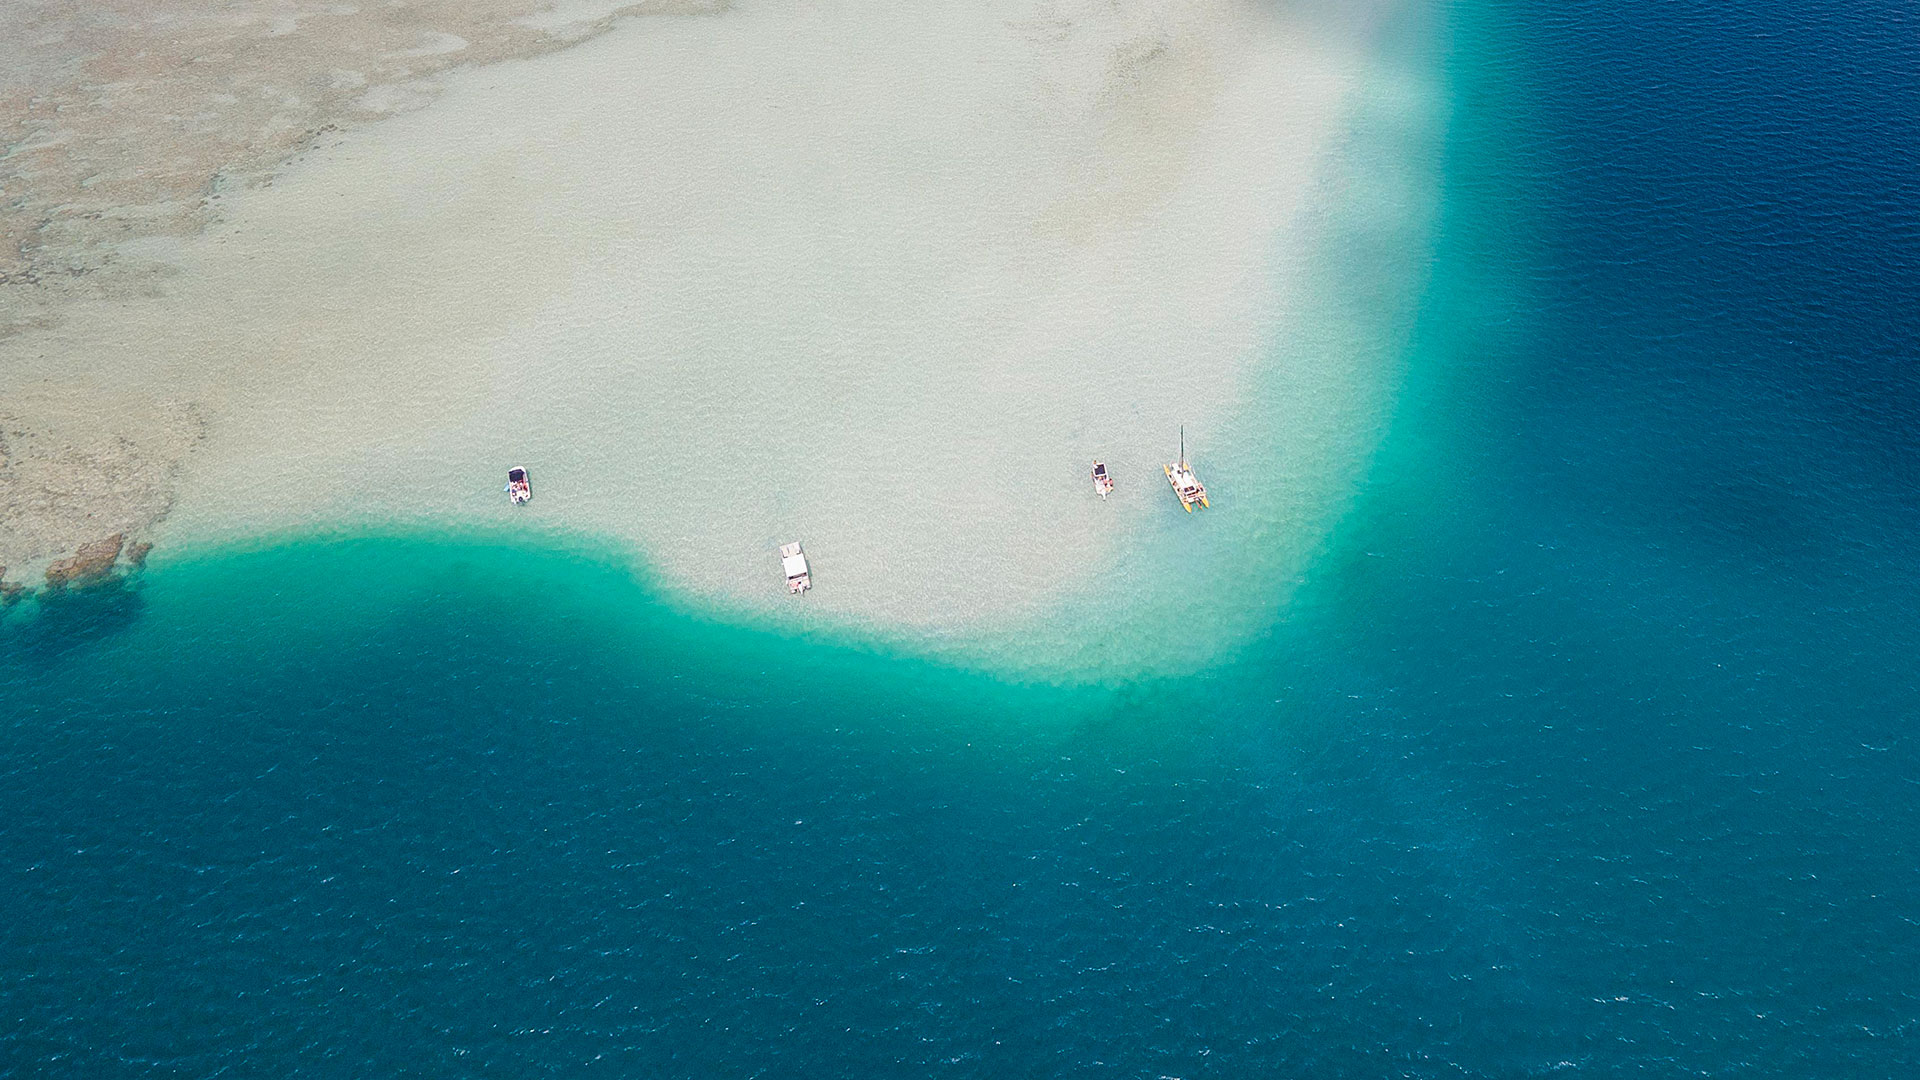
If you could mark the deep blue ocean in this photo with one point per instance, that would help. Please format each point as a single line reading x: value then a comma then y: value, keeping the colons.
x: 1590, y: 747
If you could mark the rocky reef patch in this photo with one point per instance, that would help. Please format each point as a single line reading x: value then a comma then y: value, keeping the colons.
x: 124, y: 125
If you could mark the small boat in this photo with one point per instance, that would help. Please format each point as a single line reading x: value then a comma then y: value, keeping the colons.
x: 1185, y: 484
x: 794, y: 562
x: 519, y: 485
x: 1102, y: 483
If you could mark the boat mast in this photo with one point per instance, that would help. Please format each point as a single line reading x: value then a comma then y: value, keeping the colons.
x: 1183, y: 446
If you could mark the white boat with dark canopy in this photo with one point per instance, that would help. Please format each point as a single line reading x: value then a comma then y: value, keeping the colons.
x: 1102, y: 483
x: 794, y: 561
x: 519, y: 485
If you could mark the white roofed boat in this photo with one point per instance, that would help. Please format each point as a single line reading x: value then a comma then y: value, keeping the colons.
x: 794, y: 561
x: 519, y: 485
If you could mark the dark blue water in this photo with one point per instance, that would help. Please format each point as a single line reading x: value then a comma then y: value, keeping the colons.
x: 1589, y: 749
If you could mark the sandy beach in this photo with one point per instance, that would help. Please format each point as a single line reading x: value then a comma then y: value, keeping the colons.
x: 884, y: 281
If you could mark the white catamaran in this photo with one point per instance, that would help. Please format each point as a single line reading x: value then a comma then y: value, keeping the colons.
x: 1186, y: 485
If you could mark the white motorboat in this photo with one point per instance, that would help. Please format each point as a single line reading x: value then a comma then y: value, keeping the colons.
x: 1102, y: 483
x: 519, y: 485
x: 794, y: 561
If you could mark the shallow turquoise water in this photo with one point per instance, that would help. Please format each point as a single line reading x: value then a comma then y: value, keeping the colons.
x: 1586, y: 747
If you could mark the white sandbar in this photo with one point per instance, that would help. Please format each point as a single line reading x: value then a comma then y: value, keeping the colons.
x: 885, y: 278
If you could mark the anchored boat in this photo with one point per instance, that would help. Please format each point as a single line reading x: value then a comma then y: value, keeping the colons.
x: 794, y: 561
x: 519, y: 485
x: 1102, y: 483
x: 1185, y: 484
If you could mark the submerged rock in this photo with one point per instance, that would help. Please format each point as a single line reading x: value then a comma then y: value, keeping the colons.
x: 89, y: 564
